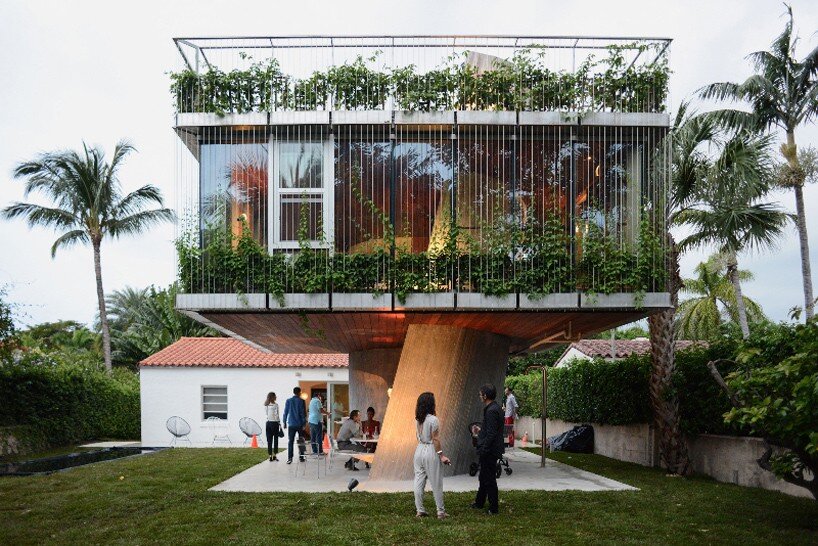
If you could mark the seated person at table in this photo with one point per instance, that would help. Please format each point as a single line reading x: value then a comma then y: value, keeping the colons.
x: 370, y: 427
x: 350, y: 428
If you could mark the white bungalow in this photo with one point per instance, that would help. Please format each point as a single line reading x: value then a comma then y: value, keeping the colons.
x: 198, y: 378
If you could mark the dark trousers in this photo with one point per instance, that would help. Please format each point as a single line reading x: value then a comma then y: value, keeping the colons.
x: 488, y: 482
x: 292, y: 431
x: 317, y: 437
x: 272, y: 437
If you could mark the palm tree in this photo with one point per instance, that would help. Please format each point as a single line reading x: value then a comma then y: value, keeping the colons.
x: 88, y: 206
x: 713, y: 301
x: 689, y: 140
x: 727, y: 210
x: 152, y: 321
x: 783, y: 93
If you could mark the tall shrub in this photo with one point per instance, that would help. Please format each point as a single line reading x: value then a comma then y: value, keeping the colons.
x: 69, y: 400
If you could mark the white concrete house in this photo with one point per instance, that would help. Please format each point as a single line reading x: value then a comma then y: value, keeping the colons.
x: 196, y: 378
x: 612, y: 349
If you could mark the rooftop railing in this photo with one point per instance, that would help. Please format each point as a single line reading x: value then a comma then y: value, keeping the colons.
x: 421, y: 73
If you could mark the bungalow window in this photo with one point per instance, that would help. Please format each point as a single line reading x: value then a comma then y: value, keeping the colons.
x: 214, y: 402
x: 301, y: 197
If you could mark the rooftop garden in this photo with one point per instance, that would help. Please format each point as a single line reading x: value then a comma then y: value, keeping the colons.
x: 611, y: 82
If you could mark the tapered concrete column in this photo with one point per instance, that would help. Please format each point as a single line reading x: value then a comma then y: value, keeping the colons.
x: 452, y: 363
x: 371, y: 373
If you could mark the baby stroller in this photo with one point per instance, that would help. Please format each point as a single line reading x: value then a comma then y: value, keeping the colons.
x: 502, y: 462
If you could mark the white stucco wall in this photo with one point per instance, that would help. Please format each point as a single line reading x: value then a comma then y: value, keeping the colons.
x: 168, y: 391
x: 570, y: 355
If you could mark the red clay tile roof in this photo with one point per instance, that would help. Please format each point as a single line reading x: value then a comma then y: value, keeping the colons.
x: 229, y: 352
x: 602, y: 348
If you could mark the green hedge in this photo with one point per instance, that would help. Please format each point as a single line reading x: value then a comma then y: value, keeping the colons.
x: 616, y: 393
x: 70, y: 402
x: 595, y: 391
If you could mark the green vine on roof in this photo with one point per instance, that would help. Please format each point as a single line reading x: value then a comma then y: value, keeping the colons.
x: 521, y: 83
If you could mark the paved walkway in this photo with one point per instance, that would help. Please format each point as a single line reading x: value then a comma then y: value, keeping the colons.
x: 312, y: 478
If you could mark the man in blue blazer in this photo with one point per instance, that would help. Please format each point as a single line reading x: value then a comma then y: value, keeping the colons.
x: 295, y: 418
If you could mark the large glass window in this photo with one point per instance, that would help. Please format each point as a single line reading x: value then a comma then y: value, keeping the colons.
x: 362, y: 174
x: 423, y: 189
x: 234, y: 183
x: 302, y: 171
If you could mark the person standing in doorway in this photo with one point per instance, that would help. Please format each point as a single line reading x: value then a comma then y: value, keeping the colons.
x: 316, y: 420
x: 510, y: 414
x: 273, y: 426
x: 489, y: 449
x: 429, y: 458
x: 295, y: 418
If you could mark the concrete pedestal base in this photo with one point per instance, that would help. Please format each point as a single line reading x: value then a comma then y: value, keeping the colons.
x: 371, y: 373
x: 452, y: 363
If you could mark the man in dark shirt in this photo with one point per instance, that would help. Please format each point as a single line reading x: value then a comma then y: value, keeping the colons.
x: 295, y: 417
x: 489, y: 449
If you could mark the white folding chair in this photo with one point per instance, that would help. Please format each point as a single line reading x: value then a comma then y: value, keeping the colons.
x: 219, y: 429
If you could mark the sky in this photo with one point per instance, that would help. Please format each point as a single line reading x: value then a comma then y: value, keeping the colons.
x: 97, y: 72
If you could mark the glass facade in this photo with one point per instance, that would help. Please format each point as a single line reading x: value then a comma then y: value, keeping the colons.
x: 233, y: 184
x: 484, y: 208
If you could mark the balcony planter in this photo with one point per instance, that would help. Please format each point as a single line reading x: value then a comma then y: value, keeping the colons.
x: 301, y: 301
x: 361, y: 301
x: 215, y: 120
x: 649, y: 300
x: 289, y: 117
x: 549, y: 118
x: 435, y: 300
x: 569, y: 300
x: 361, y: 117
x: 424, y: 118
x: 484, y: 117
x: 197, y: 302
x: 476, y: 300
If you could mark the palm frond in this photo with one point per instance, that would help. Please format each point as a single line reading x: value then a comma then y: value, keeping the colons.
x: 136, y: 200
x: 138, y: 222
x: 69, y: 239
x: 40, y: 216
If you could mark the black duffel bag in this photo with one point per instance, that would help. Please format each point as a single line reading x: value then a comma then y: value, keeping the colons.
x: 579, y: 439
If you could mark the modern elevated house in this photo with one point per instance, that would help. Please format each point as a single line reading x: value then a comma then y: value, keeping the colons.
x: 426, y: 204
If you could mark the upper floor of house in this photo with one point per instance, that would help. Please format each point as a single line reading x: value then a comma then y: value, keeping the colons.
x: 455, y: 171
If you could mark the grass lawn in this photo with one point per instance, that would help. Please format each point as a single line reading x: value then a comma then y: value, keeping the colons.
x: 163, y: 498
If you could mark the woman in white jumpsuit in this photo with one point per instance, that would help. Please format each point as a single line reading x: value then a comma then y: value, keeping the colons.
x: 429, y: 458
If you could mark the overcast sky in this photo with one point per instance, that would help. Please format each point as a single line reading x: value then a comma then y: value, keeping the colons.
x: 97, y: 71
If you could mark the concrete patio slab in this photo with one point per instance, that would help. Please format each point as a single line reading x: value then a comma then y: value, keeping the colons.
x: 527, y: 475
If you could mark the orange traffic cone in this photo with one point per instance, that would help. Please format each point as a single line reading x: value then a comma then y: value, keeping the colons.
x: 326, y: 443
x: 254, y: 441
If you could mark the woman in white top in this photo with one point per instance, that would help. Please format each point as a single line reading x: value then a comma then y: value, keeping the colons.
x: 273, y: 425
x: 429, y: 458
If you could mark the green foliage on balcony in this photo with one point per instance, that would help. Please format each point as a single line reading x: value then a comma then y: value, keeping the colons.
x: 521, y: 83
x: 534, y: 263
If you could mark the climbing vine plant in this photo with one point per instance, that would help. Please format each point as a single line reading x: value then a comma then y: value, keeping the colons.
x: 535, y: 260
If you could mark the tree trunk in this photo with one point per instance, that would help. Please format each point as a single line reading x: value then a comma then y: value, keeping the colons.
x: 103, y: 315
x: 801, y: 225
x: 672, y: 448
x: 741, y: 307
